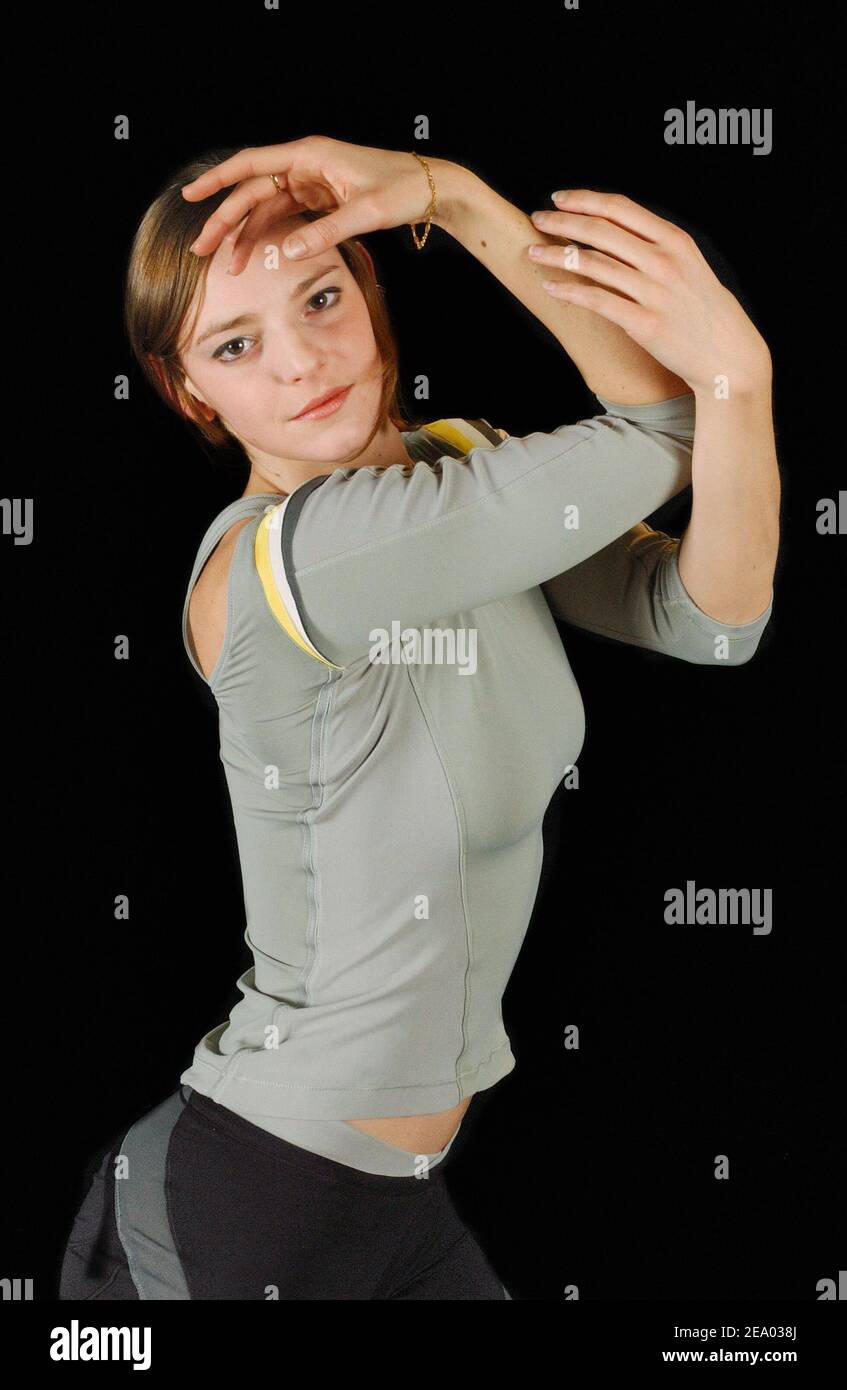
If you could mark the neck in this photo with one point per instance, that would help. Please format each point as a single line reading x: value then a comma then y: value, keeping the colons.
x: 269, y: 474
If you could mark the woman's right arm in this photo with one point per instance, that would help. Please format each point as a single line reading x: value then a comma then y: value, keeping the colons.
x: 361, y: 548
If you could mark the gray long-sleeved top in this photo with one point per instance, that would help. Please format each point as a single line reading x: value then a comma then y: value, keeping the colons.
x: 388, y: 795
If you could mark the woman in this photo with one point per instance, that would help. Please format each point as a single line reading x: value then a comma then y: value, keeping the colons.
x: 396, y: 708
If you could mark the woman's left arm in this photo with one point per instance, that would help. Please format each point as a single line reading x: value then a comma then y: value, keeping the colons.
x: 727, y: 557
x: 645, y: 279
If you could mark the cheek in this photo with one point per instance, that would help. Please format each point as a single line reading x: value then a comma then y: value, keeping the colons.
x: 357, y: 332
x: 232, y: 396
x: 239, y: 396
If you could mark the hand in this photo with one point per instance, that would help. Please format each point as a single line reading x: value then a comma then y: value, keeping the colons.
x: 662, y: 291
x: 365, y: 190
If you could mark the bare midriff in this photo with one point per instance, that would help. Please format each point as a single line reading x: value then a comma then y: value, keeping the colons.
x: 417, y: 1134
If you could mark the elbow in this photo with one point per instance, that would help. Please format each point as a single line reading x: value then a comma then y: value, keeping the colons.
x: 721, y: 650
x: 742, y: 653
x: 709, y: 643
x: 704, y: 656
x: 703, y: 638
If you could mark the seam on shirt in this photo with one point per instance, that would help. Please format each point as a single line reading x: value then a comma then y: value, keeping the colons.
x: 423, y: 526
x: 316, y: 779
x: 461, y: 828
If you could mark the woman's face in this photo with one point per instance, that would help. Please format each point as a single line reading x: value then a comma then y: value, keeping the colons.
x: 269, y: 340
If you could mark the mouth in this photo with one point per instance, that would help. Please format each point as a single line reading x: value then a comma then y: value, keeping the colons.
x: 323, y: 405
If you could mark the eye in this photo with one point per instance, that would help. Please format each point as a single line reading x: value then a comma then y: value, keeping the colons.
x: 218, y: 354
x: 333, y: 289
x: 217, y: 357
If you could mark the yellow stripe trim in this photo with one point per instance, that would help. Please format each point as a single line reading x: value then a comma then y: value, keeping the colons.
x: 272, y: 594
x: 445, y: 430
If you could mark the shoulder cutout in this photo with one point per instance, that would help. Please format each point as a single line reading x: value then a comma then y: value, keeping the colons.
x: 208, y: 602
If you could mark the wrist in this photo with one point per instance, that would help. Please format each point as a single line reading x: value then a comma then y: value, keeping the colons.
x: 453, y: 190
x: 749, y: 390
x: 750, y: 381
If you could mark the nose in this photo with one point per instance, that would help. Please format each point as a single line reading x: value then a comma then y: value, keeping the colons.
x: 291, y: 358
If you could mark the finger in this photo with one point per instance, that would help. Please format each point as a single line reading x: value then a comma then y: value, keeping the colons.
x: 600, y: 233
x: 593, y: 264
x: 235, y: 208
x: 617, y: 208
x: 256, y: 225
x: 349, y: 220
x: 247, y: 164
x: 312, y: 195
x: 632, y: 318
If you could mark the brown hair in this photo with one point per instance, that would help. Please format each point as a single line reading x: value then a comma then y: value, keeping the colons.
x: 162, y: 276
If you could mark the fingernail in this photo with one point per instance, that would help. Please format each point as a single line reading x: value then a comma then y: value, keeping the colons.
x: 295, y: 246
x: 561, y: 193
x: 193, y: 246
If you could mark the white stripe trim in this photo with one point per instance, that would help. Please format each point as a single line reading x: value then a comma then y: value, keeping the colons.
x: 278, y: 571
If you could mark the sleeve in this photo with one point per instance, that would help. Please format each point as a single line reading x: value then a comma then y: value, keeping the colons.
x: 632, y: 591
x: 358, y: 549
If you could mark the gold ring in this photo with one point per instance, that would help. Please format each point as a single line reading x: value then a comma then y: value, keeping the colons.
x: 276, y: 182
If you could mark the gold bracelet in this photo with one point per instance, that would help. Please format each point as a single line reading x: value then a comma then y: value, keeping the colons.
x: 431, y: 210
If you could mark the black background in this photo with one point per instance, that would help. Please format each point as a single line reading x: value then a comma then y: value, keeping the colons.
x: 591, y: 1167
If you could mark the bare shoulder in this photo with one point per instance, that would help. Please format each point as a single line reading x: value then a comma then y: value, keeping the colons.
x: 208, y: 603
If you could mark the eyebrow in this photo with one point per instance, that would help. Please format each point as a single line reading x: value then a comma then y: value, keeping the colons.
x: 248, y: 318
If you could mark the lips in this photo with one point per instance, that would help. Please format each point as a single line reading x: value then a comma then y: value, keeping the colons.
x: 320, y: 400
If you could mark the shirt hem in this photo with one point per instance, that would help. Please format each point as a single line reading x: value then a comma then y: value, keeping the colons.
x: 256, y: 1096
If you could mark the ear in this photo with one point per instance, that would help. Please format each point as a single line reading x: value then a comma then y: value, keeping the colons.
x: 199, y: 405
x: 155, y: 365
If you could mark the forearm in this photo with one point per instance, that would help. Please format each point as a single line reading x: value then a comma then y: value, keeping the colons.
x: 497, y: 234
x: 728, y: 553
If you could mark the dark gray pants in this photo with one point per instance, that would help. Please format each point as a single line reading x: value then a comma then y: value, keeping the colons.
x: 198, y: 1203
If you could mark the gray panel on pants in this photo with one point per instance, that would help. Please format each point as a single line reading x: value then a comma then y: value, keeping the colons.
x: 141, y: 1205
